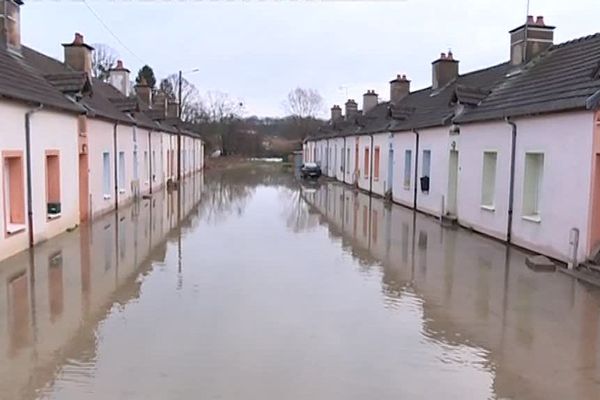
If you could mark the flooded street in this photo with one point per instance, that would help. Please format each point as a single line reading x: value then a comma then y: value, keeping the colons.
x: 249, y: 286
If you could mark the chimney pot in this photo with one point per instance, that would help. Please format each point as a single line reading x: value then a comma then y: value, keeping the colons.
x: 78, y: 38
x: 444, y: 70
x: 119, y: 78
x: 540, y: 21
x: 370, y: 101
x: 526, y: 44
x: 399, y: 89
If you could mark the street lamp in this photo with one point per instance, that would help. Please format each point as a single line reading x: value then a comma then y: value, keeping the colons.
x: 179, y: 115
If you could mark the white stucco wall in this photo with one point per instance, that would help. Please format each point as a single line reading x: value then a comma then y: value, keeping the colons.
x: 403, y: 141
x: 566, y: 142
x: 50, y: 130
x: 474, y: 140
x: 436, y: 140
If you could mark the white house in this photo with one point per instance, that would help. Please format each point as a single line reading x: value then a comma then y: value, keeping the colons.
x: 489, y: 148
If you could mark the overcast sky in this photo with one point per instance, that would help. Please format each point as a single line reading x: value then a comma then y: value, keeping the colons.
x: 258, y: 51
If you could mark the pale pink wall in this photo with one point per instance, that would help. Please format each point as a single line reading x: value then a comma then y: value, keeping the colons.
x: 100, y: 139
x: 49, y: 131
x: 403, y: 141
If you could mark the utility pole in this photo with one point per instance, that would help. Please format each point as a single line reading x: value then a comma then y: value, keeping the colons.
x: 179, y: 130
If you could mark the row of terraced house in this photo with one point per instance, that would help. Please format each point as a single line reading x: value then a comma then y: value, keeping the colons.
x: 511, y: 151
x: 74, y: 147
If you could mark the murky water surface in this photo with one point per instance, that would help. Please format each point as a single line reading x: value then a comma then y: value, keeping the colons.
x: 249, y: 286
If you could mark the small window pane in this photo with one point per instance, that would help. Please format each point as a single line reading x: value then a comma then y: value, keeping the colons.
x: 488, y: 181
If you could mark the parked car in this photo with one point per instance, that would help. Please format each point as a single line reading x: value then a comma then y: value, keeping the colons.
x: 310, y: 170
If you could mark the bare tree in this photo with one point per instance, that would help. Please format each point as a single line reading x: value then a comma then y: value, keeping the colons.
x: 304, y: 105
x: 103, y: 59
x: 219, y: 107
x: 190, y: 102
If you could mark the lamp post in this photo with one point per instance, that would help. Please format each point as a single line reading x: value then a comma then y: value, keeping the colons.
x: 180, y: 79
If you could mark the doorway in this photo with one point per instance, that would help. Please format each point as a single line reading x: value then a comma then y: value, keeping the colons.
x: 390, y: 172
x: 451, y: 206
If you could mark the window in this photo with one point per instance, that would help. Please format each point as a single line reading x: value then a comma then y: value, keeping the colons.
x: 342, y: 161
x: 106, y: 174
x: 532, y: 185
x: 426, y: 166
x: 356, y: 161
x: 135, y: 166
x: 14, y: 192
x: 53, y: 206
x: 376, y: 162
x: 121, y: 172
x: 426, y: 171
x: 488, y: 180
x: 407, y: 165
x: 348, y: 160
x: 367, y: 161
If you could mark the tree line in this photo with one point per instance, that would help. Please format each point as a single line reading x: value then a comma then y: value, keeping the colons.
x: 220, y: 119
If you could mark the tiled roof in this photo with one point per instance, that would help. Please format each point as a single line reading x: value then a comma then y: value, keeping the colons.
x: 565, y: 77
x: 96, y: 103
x: 423, y: 108
x: 21, y: 81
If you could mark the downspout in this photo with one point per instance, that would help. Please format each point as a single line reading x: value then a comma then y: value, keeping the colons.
x: 178, y: 155
x: 416, y: 167
x: 150, y: 157
x: 345, y: 162
x: 372, y: 156
x: 511, y: 188
x: 115, y: 165
x: 28, y: 115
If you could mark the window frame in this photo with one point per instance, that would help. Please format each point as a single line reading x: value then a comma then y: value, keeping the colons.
x: 489, y: 202
x: 532, y: 212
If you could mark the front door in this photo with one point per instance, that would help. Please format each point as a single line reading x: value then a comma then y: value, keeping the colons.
x: 390, y: 171
x: 451, y: 207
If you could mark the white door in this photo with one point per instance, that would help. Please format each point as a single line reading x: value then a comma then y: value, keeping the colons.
x: 451, y: 207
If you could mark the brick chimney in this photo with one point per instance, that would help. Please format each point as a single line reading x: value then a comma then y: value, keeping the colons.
x: 172, y: 109
x: 530, y: 39
x: 78, y: 55
x: 399, y: 89
x: 10, y: 25
x: 351, y: 109
x: 444, y: 70
x: 144, y: 94
x: 119, y: 78
x: 336, y: 113
x: 370, y: 100
x: 160, y: 104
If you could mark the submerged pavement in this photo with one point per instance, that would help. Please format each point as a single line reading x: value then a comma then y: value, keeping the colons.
x: 246, y: 285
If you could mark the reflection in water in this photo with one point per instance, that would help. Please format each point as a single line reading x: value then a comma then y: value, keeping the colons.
x: 537, y: 334
x: 252, y: 287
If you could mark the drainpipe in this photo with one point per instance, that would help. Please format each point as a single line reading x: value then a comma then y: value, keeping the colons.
x: 150, y: 158
x: 28, y: 115
x: 511, y: 190
x: 416, y: 167
x: 345, y: 162
x: 371, y: 167
x: 116, y: 165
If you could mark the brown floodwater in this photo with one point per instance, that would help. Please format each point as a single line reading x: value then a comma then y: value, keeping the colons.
x: 246, y: 285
